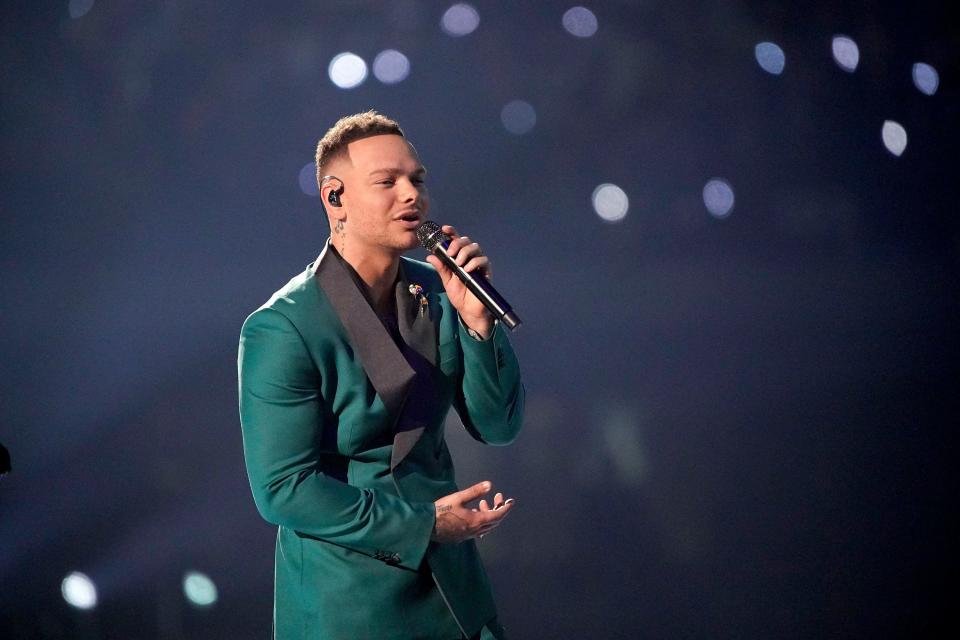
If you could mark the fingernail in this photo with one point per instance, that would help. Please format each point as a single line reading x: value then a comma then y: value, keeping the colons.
x: 486, y: 486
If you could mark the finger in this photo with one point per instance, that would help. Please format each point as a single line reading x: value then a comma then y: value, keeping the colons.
x: 467, y: 251
x: 450, y: 231
x: 472, y: 493
x: 484, y: 506
x: 486, y: 518
x: 484, y: 530
x: 479, y: 265
x: 487, y: 530
x: 442, y: 269
x: 456, y: 246
x: 497, y: 500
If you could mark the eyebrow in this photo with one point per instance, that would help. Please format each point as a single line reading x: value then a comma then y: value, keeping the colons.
x: 395, y: 171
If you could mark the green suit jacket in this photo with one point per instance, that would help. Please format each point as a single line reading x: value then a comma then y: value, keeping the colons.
x: 344, y: 446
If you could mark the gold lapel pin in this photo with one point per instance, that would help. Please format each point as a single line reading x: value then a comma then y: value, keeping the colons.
x: 417, y: 292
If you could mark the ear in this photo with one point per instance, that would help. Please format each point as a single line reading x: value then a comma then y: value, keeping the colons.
x: 328, y: 185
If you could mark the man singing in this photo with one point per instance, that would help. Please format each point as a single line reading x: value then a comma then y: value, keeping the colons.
x: 346, y: 376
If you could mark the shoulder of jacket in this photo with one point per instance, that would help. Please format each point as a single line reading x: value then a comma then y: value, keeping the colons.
x: 294, y: 299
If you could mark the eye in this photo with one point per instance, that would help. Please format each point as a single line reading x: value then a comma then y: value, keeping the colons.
x: 386, y: 182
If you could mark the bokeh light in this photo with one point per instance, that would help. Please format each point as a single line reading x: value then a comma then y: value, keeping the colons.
x: 718, y: 197
x: 308, y: 179
x: 199, y: 589
x: 626, y: 454
x: 347, y: 70
x: 79, y: 591
x: 79, y: 8
x: 846, y: 53
x: 391, y: 66
x: 894, y: 137
x: 580, y: 22
x: 610, y: 202
x: 518, y: 117
x: 925, y: 78
x: 770, y: 57
x: 460, y: 20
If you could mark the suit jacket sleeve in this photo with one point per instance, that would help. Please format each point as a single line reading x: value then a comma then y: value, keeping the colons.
x: 491, y: 397
x: 282, y: 418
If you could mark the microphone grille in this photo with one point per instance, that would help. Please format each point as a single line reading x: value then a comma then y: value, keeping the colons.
x: 430, y: 235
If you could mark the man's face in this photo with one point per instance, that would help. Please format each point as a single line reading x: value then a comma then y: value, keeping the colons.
x: 384, y: 196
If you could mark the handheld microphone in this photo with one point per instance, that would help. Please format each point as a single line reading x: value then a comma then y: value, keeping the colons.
x: 436, y: 242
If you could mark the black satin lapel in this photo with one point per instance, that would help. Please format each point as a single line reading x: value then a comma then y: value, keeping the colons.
x: 418, y: 326
x: 403, y: 443
x: 418, y: 330
x: 384, y: 364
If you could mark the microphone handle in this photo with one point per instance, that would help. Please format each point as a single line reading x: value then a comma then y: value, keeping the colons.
x: 481, y: 288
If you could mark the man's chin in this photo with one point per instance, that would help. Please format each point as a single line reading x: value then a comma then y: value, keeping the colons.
x: 410, y: 242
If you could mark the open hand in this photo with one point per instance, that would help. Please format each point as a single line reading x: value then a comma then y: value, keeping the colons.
x: 457, y: 522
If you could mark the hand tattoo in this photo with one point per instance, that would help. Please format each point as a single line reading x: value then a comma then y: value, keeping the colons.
x: 442, y: 526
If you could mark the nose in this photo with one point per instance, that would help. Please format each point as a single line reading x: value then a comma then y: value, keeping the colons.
x: 409, y: 192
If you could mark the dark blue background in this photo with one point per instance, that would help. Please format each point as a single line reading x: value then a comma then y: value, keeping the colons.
x: 736, y: 428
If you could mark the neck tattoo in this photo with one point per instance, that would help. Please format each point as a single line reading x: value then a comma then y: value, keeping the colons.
x: 340, y: 237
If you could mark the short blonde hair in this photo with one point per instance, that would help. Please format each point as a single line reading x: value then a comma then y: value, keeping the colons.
x: 348, y: 129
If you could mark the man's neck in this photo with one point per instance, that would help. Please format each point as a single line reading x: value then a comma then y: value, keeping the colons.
x: 378, y: 270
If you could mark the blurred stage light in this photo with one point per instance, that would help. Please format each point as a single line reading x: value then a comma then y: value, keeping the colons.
x: 518, y: 117
x: 846, y: 53
x: 894, y: 137
x: 460, y: 19
x: 391, y: 66
x: 580, y: 22
x: 770, y: 57
x: 623, y: 444
x: 610, y: 202
x: 718, y: 197
x: 347, y: 70
x: 79, y: 8
x: 79, y: 591
x: 308, y: 179
x: 925, y: 78
x: 199, y: 589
